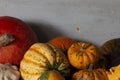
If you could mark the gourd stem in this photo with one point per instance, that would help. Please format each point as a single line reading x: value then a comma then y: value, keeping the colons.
x: 6, y: 39
x: 83, y: 47
x: 90, y: 67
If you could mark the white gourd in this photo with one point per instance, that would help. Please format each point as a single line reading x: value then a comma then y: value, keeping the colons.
x: 9, y: 72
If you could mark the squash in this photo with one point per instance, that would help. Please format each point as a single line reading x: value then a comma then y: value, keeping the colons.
x: 9, y: 72
x: 90, y: 74
x: 82, y: 54
x: 111, y: 51
x: 42, y: 57
x: 51, y: 75
x: 114, y: 73
x: 63, y: 43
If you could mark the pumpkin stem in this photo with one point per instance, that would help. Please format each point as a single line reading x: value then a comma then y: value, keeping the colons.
x: 6, y: 39
x: 90, y: 67
x: 83, y: 47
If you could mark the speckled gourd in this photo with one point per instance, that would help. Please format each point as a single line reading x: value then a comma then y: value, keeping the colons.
x: 42, y: 57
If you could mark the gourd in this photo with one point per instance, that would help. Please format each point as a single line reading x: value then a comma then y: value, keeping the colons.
x: 42, y: 57
x: 82, y: 54
x: 15, y: 38
x: 114, y: 73
x: 63, y: 43
x: 111, y: 51
x: 90, y: 74
x: 51, y: 75
x: 9, y: 72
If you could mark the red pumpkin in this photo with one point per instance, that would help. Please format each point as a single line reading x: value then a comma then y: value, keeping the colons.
x: 15, y: 38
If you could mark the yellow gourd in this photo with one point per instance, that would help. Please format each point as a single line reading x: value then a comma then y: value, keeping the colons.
x: 114, y: 73
x: 42, y: 57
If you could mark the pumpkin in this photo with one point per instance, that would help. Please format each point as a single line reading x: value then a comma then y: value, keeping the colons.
x: 40, y: 58
x: 51, y: 75
x: 90, y: 74
x: 111, y: 51
x: 16, y: 37
x: 114, y: 73
x: 63, y: 43
x: 9, y: 72
x: 82, y: 54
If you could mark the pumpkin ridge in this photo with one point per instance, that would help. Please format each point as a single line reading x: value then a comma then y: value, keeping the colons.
x: 29, y: 61
x: 55, y: 65
x: 32, y: 74
x: 85, y: 59
x: 90, y: 57
x: 94, y: 75
x: 82, y: 60
x: 56, y: 51
x: 99, y: 75
x: 103, y: 73
x: 38, y: 52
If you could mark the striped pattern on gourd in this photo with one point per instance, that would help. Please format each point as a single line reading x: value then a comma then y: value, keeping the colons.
x: 42, y: 57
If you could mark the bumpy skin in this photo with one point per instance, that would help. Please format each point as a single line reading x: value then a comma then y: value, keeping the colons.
x: 9, y: 72
x: 24, y: 38
x: 114, y: 73
x: 82, y: 54
x: 42, y: 57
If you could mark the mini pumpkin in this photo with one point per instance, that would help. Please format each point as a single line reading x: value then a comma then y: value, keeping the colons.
x: 51, y: 75
x: 82, y: 54
x: 90, y: 74
x: 9, y: 72
x: 114, y: 73
x: 63, y: 43
x: 111, y: 51
x: 42, y: 57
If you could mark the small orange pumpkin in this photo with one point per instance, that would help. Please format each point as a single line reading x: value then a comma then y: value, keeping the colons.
x: 63, y: 43
x: 51, y: 75
x: 81, y: 54
x: 90, y: 74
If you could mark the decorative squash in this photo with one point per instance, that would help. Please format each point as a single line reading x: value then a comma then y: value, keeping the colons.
x: 82, y: 54
x: 90, y: 74
x: 63, y: 43
x: 51, y: 75
x: 111, y: 51
x: 42, y: 57
x: 9, y: 72
x: 114, y: 73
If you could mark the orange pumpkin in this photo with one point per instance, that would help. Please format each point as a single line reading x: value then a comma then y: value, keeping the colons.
x: 81, y: 54
x: 90, y: 74
x: 51, y: 75
x: 63, y: 43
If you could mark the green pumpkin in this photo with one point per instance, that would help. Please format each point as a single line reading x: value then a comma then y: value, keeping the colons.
x: 111, y: 51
